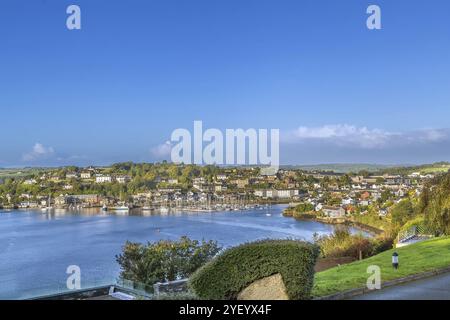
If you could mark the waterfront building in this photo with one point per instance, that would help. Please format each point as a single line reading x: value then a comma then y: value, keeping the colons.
x: 333, y: 212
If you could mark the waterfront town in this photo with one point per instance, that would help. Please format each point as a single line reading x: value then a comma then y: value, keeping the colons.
x: 164, y: 187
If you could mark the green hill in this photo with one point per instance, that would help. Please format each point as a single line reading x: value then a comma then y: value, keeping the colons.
x: 416, y: 258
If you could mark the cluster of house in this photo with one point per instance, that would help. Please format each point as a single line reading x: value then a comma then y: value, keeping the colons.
x: 362, y: 193
x: 90, y: 175
x: 233, y: 185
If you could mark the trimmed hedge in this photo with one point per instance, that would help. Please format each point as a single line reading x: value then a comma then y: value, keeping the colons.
x: 228, y: 274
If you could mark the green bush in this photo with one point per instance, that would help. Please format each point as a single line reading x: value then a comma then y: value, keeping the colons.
x: 342, y: 243
x: 299, y: 215
x: 164, y: 260
x: 236, y: 268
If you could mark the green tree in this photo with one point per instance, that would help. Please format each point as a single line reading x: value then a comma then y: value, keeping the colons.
x: 164, y: 260
x: 402, y: 212
x: 304, y: 207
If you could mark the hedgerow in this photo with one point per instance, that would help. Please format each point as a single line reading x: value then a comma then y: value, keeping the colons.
x: 236, y: 268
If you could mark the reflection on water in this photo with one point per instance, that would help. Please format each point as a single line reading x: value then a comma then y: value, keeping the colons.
x: 37, y: 247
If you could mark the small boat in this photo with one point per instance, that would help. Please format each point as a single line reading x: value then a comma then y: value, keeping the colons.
x: 104, y: 208
x: 164, y: 210
x: 122, y: 207
x: 268, y: 214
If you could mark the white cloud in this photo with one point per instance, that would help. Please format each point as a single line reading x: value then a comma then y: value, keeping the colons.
x: 162, y: 151
x: 38, y: 152
x: 345, y: 135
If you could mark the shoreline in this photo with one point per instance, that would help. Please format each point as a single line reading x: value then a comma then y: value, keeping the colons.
x: 154, y: 210
x: 338, y: 221
x: 217, y: 207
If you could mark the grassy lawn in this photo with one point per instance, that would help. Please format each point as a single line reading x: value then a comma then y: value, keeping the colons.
x: 416, y: 258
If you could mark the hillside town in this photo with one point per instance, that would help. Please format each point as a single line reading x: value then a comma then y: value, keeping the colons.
x: 166, y: 186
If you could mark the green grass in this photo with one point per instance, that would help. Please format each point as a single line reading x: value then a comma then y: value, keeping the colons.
x: 20, y: 173
x: 440, y: 169
x: 416, y: 258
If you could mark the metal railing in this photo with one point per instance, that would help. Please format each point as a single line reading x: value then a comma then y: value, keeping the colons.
x: 413, y: 232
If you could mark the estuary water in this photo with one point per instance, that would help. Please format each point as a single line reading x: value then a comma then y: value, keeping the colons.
x: 36, y: 248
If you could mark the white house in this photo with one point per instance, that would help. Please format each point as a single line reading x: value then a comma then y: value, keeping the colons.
x: 221, y: 177
x: 333, y: 212
x: 85, y: 175
x: 123, y: 179
x: 103, y: 179
x: 71, y: 175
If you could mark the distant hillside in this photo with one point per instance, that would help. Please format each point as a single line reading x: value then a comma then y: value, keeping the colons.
x: 438, y: 167
x: 340, y: 167
x: 20, y: 173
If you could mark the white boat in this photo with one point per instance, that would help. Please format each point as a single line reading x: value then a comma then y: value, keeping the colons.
x: 121, y: 208
x: 164, y: 210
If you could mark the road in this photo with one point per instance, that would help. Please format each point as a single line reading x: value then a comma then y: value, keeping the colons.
x: 434, y: 288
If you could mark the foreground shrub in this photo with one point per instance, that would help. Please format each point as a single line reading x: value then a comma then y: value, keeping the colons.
x: 164, y: 260
x: 341, y: 243
x: 236, y: 268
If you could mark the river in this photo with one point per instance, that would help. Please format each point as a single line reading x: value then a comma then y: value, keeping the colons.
x: 36, y: 248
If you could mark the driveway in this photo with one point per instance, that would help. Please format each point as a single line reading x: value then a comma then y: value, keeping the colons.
x: 434, y: 288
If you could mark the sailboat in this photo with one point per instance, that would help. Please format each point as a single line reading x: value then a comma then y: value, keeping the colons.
x: 147, y: 207
x: 49, y: 206
x: 269, y: 214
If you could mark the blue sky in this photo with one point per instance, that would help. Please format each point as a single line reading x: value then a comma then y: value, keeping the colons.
x: 116, y: 89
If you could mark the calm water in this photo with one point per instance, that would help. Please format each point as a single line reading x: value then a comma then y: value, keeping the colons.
x: 36, y: 248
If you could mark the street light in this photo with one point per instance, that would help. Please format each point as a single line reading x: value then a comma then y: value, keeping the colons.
x: 395, y: 260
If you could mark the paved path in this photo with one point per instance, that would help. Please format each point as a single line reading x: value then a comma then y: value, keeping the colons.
x: 434, y: 288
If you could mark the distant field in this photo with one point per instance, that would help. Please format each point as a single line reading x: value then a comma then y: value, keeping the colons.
x: 373, y: 168
x: 340, y: 168
x: 19, y: 173
x: 437, y: 169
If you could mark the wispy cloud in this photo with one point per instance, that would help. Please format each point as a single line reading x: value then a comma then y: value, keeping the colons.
x: 38, y: 152
x: 344, y: 135
x: 162, y: 151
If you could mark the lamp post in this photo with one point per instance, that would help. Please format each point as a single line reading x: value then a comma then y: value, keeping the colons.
x: 395, y: 260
